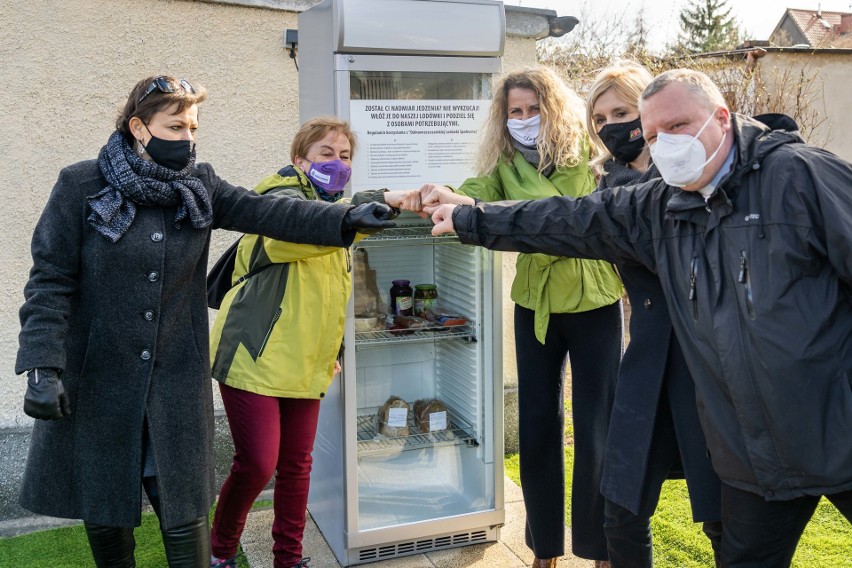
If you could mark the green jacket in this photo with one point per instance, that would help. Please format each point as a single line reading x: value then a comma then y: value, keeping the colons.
x: 544, y: 283
x: 279, y: 332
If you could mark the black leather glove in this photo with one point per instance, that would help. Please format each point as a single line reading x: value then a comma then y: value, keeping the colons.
x: 369, y: 218
x: 46, y: 397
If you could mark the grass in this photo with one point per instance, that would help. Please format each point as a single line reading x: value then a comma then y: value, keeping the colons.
x: 678, y: 542
x: 67, y: 547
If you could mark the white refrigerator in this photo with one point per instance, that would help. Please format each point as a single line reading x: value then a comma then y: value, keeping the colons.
x: 390, y: 478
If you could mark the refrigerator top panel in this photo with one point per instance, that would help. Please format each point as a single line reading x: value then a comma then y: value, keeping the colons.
x: 426, y: 27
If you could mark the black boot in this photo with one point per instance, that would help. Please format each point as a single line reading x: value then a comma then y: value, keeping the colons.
x: 188, y: 546
x: 112, y: 547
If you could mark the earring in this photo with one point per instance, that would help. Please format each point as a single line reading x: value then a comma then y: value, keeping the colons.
x: 141, y: 148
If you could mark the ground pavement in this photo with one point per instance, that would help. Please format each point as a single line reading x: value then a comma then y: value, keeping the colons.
x: 509, y: 552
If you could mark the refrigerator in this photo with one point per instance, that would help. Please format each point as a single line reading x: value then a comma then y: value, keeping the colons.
x: 409, y: 451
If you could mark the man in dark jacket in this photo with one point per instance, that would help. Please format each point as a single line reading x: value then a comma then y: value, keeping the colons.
x: 750, y: 232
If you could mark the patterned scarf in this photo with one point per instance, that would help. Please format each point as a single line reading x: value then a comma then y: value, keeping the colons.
x: 136, y: 182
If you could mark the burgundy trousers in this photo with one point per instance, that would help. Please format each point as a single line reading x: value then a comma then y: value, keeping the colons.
x: 271, y: 436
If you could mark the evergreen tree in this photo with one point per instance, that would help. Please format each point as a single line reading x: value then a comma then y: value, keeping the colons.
x: 637, y: 37
x: 707, y: 26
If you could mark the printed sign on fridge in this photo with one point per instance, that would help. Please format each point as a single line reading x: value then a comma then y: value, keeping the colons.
x: 406, y: 143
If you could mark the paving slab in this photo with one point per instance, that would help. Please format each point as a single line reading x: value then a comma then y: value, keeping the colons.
x: 509, y: 552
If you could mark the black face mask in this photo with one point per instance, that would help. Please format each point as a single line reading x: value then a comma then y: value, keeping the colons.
x: 172, y: 154
x: 624, y: 139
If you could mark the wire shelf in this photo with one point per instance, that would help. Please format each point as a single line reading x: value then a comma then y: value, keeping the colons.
x: 418, y: 235
x: 437, y: 333
x: 371, y: 442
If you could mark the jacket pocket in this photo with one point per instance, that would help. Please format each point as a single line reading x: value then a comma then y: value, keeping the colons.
x: 263, y: 343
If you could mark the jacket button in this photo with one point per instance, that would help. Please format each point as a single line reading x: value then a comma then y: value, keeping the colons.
x: 145, y: 355
x: 153, y: 276
x: 157, y: 237
x: 149, y: 315
x: 647, y: 303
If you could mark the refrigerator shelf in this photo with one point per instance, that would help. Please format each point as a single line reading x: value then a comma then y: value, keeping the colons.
x: 383, y: 336
x: 371, y: 442
x: 412, y: 235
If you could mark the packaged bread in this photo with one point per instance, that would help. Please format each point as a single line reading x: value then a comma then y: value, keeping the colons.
x: 430, y: 415
x: 393, y: 417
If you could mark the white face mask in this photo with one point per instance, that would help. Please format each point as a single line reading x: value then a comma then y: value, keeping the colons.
x: 681, y: 158
x: 525, y: 131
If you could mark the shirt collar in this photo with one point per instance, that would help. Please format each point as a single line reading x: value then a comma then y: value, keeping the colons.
x: 708, y: 189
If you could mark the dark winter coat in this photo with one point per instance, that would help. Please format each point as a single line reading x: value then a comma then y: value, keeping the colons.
x: 652, y: 362
x: 758, y: 282
x: 127, y: 325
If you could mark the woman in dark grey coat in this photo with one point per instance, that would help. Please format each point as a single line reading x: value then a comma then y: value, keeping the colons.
x: 114, y: 329
x: 654, y: 431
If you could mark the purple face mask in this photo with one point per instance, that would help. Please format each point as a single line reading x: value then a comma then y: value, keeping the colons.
x: 330, y: 176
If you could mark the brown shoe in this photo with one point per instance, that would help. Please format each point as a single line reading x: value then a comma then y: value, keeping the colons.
x: 601, y: 563
x: 544, y: 563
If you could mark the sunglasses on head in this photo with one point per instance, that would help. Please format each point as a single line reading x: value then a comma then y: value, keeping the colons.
x: 163, y: 85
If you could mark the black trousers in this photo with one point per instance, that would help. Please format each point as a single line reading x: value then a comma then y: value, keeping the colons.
x: 628, y: 535
x: 592, y: 342
x: 764, y: 534
x: 187, y: 546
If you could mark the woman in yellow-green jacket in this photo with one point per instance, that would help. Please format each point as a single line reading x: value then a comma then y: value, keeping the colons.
x: 275, y: 346
x: 566, y: 309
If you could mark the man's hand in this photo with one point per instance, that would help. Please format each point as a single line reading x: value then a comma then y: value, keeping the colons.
x: 443, y: 219
x: 368, y: 218
x: 46, y: 398
x: 433, y: 195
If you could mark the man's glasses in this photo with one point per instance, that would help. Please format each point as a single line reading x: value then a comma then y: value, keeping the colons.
x: 163, y: 85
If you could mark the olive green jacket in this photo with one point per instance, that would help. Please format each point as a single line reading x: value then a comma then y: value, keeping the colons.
x: 544, y: 283
x: 279, y: 332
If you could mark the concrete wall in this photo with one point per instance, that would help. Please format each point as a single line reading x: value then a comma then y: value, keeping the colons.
x: 826, y: 76
x: 67, y: 66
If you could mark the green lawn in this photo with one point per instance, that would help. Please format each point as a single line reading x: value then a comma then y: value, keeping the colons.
x: 68, y: 548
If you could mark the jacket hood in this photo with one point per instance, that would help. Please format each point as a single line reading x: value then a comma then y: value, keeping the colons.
x: 755, y: 141
x: 288, y: 176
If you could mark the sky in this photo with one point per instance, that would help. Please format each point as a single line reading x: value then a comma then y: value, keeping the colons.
x: 758, y: 17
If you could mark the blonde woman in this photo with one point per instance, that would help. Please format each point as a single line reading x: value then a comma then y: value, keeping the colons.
x: 654, y: 431
x: 565, y: 309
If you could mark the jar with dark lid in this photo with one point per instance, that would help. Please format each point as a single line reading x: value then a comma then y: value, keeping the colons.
x: 401, y: 298
x: 425, y: 299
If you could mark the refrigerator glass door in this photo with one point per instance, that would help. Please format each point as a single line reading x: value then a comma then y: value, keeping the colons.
x: 422, y: 407
x: 421, y: 397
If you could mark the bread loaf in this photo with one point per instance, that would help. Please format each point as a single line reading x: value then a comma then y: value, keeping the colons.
x: 392, y: 417
x: 430, y: 415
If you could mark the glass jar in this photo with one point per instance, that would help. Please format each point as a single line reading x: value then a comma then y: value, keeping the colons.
x: 425, y: 299
x: 401, y: 300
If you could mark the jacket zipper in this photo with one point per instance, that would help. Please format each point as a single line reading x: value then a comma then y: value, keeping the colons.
x: 269, y: 332
x: 348, y: 260
x: 693, y: 295
x: 745, y: 279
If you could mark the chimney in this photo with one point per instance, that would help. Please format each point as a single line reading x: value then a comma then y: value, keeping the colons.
x: 845, y: 23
